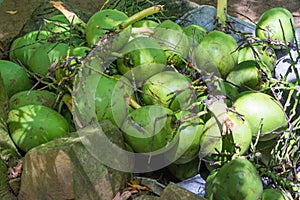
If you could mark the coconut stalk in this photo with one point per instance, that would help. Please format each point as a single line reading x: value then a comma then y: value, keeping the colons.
x: 73, y: 18
x: 221, y: 13
x: 140, y: 15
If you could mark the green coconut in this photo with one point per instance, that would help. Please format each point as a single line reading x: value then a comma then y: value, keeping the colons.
x: 231, y: 93
x: 47, y: 54
x: 104, y: 21
x: 217, y: 53
x: 57, y: 24
x: 23, y: 47
x: 221, y: 139
x: 81, y: 51
x: 145, y: 23
x: 276, y: 24
x: 110, y: 98
x: 186, y: 170
x: 262, y: 112
x: 236, y: 180
x: 246, y: 76
x: 173, y: 40
x: 263, y: 54
x: 149, y: 128
x: 39, y: 62
x: 15, y: 78
x: 209, y: 183
x: 189, y: 133
x: 63, y: 30
x: 143, y: 28
x: 195, y: 33
x: 33, y: 125
x: 142, y: 58
x: 32, y: 97
x: 273, y: 194
x: 103, y: 96
x: 170, y: 89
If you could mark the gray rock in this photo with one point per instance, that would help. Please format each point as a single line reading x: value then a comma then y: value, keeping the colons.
x: 195, y: 184
x: 204, y: 15
x: 65, y: 169
x: 175, y: 192
x: 153, y: 184
x: 146, y: 197
x: 284, y: 67
x: 285, y: 61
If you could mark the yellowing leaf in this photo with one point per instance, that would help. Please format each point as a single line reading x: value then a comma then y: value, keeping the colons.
x: 11, y: 12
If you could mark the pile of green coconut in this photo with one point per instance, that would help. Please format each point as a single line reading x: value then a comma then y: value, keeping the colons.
x: 214, y: 104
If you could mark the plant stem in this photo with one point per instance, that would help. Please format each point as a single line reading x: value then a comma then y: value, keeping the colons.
x: 140, y: 15
x: 222, y: 12
x: 134, y: 104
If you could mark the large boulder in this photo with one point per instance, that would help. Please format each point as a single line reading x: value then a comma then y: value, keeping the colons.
x: 65, y: 169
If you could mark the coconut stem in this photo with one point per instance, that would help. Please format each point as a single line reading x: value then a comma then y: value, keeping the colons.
x: 134, y: 104
x: 222, y: 12
x: 140, y: 15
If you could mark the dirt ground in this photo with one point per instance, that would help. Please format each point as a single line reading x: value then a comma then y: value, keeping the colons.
x: 14, y: 13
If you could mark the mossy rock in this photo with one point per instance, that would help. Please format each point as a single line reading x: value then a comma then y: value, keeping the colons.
x: 66, y: 169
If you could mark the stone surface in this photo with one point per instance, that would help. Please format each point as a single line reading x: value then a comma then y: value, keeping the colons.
x: 146, y: 197
x: 175, y: 192
x: 285, y: 60
x: 65, y: 169
x: 284, y: 67
x: 204, y: 15
x: 152, y: 184
x: 195, y: 184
